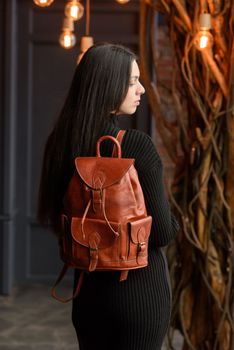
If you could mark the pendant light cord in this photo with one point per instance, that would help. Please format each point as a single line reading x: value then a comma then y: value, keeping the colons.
x: 87, y: 25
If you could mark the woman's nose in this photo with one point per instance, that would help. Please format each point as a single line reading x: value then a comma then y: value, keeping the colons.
x: 141, y: 89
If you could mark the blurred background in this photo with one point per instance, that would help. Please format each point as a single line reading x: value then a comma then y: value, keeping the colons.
x: 186, y: 57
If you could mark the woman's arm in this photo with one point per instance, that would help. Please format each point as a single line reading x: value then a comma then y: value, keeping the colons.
x: 149, y: 166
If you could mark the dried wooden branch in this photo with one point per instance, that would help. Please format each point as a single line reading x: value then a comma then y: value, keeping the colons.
x: 203, y: 191
x: 183, y: 13
x: 215, y: 70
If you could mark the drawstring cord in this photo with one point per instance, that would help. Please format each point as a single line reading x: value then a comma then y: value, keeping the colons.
x: 104, y: 213
x: 84, y: 216
x: 102, y: 192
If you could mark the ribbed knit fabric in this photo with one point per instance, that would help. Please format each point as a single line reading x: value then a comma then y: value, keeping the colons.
x: 134, y: 314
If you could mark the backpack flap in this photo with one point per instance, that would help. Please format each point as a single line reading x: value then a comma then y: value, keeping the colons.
x: 81, y: 232
x: 101, y: 172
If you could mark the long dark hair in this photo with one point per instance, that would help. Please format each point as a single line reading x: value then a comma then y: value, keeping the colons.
x: 98, y: 88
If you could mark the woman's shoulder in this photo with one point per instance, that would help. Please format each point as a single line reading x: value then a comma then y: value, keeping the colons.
x: 140, y: 146
x: 140, y: 137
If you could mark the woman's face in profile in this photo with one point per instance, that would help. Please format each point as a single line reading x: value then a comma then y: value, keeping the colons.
x: 135, y: 90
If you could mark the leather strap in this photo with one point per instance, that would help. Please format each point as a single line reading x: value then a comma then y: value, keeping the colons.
x: 123, y: 275
x: 59, y: 279
x: 119, y: 138
x: 94, y: 241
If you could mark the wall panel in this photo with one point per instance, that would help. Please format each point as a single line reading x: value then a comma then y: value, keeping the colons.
x: 1, y: 140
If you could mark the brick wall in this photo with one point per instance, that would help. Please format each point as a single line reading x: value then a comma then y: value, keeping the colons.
x: 165, y: 68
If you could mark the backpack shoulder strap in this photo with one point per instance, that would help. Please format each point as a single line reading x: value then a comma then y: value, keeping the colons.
x: 59, y: 279
x: 119, y: 138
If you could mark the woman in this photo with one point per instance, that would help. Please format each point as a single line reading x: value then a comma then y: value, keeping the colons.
x: 108, y: 314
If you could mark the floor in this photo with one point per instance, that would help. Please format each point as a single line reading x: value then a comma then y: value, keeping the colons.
x: 31, y: 320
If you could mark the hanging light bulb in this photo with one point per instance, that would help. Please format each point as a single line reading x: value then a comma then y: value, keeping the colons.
x: 74, y: 10
x: 67, y: 38
x: 122, y: 1
x: 43, y: 3
x: 204, y: 38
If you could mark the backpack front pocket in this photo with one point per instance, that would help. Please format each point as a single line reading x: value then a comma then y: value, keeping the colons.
x: 92, y: 242
x: 139, y: 237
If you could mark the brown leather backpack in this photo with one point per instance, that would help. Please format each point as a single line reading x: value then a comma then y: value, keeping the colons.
x: 105, y: 223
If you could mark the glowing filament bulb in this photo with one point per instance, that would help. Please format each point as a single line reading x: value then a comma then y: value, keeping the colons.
x: 204, y: 39
x: 122, y: 1
x: 43, y: 3
x: 74, y: 10
x: 67, y: 38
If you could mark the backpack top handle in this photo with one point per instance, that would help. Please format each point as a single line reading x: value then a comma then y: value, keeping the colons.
x: 116, y: 142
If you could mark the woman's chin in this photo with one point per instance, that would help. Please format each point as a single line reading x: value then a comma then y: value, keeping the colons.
x: 128, y: 111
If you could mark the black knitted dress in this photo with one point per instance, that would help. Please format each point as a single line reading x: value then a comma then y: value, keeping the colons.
x: 134, y: 314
